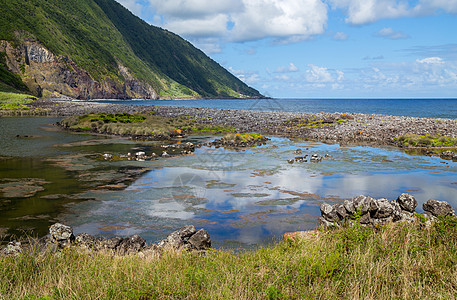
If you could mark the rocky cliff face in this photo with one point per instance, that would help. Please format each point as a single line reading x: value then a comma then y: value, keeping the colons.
x: 49, y: 75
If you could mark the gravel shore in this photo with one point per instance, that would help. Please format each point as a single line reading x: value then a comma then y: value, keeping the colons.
x: 353, y: 128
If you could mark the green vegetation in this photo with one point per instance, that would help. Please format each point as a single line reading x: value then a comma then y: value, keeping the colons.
x: 10, y: 82
x: 395, y: 262
x: 144, y: 124
x: 242, y: 137
x: 14, y: 98
x: 316, y: 123
x: 119, y: 117
x: 13, y: 104
x: 100, y: 35
x: 416, y: 140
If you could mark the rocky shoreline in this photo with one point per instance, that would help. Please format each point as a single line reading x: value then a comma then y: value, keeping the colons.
x: 61, y: 237
x: 346, y: 128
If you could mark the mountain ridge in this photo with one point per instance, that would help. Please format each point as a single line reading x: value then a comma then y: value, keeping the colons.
x: 98, y: 49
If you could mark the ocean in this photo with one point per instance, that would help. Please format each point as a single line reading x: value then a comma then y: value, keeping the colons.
x: 426, y: 108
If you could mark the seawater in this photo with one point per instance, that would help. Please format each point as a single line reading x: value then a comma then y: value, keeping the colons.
x: 244, y: 198
x: 426, y: 108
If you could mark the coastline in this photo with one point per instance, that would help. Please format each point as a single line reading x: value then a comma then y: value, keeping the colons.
x: 346, y: 128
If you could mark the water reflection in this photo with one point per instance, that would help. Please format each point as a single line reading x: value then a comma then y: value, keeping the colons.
x: 243, y: 198
x: 259, y: 196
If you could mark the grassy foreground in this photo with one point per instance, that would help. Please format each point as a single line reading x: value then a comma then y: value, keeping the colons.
x: 400, y: 262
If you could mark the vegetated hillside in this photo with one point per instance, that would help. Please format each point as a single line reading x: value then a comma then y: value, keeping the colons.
x: 98, y: 49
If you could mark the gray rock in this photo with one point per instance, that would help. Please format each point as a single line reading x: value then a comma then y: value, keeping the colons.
x: 329, y: 213
x: 200, y: 240
x: 341, y: 210
x: 376, y: 222
x: 61, y: 235
x: 349, y: 206
x: 12, y: 249
x: 407, y: 202
x: 365, y: 219
x: 326, y: 224
x: 109, y: 244
x: 177, y: 238
x: 381, y: 208
x: 429, y: 218
x: 362, y: 203
x: 438, y: 208
x: 134, y: 243
x: 85, y: 241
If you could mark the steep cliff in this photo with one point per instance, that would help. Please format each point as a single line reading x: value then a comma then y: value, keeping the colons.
x: 91, y: 49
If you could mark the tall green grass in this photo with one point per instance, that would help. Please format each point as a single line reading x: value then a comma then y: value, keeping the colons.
x: 394, y: 262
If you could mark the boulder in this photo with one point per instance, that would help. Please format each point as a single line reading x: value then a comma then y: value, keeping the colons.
x: 109, y: 244
x: 407, y: 202
x: 12, y: 249
x: 365, y: 219
x: 61, y: 235
x: 329, y: 213
x: 200, y: 240
x: 177, y: 238
x: 438, y: 208
x: 341, y: 211
x: 85, y: 241
x: 362, y: 203
x: 326, y: 224
x: 131, y: 244
x: 381, y: 208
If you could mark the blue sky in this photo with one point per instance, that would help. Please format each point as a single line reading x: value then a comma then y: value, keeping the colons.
x: 322, y: 48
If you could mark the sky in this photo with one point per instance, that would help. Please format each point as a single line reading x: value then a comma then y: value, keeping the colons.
x: 322, y: 48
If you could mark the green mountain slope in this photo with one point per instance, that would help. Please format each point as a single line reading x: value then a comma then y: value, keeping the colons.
x: 99, y: 49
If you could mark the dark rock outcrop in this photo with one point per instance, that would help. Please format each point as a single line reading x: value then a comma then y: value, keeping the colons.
x: 61, y: 235
x: 439, y: 208
x: 48, y: 75
x: 370, y: 211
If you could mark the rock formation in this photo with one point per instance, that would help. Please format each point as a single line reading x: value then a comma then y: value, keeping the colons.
x: 61, y: 236
x: 370, y: 211
x: 48, y: 75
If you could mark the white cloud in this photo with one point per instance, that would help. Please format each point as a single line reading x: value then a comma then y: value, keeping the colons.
x: 194, y: 9
x: 368, y: 11
x: 340, y: 36
x: 431, y: 60
x: 389, y: 33
x: 290, y: 68
x: 248, y: 77
x: 211, y: 26
x: 287, y: 21
x: 279, y: 18
x: 318, y: 74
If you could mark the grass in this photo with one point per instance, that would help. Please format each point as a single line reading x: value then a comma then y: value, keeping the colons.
x: 243, y: 137
x: 395, y: 262
x: 300, y: 123
x: 14, y: 98
x: 144, y: 124
x: 416, y: 140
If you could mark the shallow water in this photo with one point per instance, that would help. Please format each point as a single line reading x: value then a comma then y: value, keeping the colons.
x: 243, y: 198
